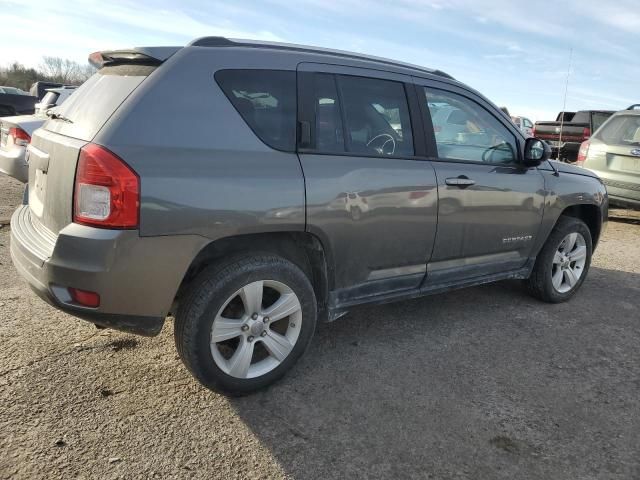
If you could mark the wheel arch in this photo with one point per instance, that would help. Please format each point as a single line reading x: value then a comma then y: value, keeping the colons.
x: 590, y: 214
x: 304, y: 249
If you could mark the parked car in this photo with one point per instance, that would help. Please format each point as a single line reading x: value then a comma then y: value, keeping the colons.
x: 524, y: 124
x: 13, y: 91
x: 39, y: 89
x: 16, y: 104
x: 251, y: 188
x: 613, y: 153
x: 53, y: 97
x: 16, y: 131
x: 570, y: 129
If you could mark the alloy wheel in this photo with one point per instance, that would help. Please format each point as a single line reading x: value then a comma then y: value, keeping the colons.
x: 569, y: 262
x: 256, y: 329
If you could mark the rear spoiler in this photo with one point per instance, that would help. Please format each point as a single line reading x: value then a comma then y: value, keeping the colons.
x: 137, y: 56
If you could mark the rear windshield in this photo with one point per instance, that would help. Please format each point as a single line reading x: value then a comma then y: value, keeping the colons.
x: 95, y: 100
x: 266, y: 100
x: 621, y: 130
x: 50, y: 98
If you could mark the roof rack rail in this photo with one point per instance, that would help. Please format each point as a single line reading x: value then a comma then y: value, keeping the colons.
x: 228, y: 42
x: 635, y: 106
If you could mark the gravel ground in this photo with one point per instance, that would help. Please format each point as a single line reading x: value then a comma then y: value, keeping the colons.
x: 482, y: 383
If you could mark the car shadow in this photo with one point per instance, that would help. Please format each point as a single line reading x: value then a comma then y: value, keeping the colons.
x: 479, y: 383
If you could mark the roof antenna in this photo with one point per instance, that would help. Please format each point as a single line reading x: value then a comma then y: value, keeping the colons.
x: 564, y: 104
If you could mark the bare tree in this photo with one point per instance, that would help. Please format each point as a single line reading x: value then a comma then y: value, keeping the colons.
x: 65, y: 71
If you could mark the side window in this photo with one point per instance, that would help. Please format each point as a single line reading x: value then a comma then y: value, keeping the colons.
x: 328, y: 122
x: 376, y: 115
x: 266, y: 100
x: 465, y: 130
x: 527, y: 123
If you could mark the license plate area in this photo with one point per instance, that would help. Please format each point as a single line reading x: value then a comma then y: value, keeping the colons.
x: 39, y: 167
x: 630, y: 165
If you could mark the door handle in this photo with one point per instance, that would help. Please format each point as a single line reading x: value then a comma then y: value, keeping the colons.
x: 461, y: 181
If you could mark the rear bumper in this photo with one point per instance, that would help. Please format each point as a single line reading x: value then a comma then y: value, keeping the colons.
x: 136, y: 277
x: 13, y: 163
x: 621, y: 192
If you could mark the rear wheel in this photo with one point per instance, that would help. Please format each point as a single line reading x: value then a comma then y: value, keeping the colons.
x: 563, y: 263
x: 245, y: 322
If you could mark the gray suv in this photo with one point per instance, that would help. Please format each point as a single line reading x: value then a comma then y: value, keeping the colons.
x: 252, y: 189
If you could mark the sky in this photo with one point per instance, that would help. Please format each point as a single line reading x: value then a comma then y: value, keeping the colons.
x: 515, y: 52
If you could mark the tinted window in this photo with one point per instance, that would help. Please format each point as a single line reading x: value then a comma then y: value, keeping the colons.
x: 266, y: 100
x: 50, y: 98
x: 376, y: 115
x: 93, y: 103
x: 328, y: 122
x: 464, y: 130
x: 598, y: 118
x: 621, y: 130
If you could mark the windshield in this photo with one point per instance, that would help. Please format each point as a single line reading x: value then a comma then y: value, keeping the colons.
x: 621, y: 130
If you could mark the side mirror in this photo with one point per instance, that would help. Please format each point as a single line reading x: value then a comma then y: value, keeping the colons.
x: 535, y: 152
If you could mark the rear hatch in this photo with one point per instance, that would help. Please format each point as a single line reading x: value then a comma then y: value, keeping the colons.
x: 620, y: 164
x: 55, y: 148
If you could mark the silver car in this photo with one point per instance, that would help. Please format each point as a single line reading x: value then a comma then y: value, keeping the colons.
x: 15, y: 133
x: 613, y: 152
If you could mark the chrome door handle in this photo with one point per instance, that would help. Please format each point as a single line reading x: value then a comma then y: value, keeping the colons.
x: 460, y: 181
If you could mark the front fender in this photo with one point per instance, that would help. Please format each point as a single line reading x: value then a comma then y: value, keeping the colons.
x: 575, y: 193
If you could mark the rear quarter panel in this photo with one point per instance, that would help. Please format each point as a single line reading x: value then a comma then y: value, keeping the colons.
x: 202, y: 170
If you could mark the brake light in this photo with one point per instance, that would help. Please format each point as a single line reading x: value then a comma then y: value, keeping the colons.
x: 582, y: 153
x: 586, y: 133
x: 107, y: 190
x: 19, y: 136
x: 84, y: 297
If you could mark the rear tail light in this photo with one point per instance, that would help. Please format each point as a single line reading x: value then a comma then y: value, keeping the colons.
x: 533, y: 131
x: 586, y: 133
x: 84, y: 297
x: 107, y: 190
x: 19, y: 136
x: 582, y: 153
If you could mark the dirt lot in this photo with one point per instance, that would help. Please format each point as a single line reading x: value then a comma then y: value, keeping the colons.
x: 482, y: 383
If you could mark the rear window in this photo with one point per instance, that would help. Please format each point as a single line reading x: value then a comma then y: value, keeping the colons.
x: 266, y: 100
x: 50, y: 98
x: 621, y: 130
x: 91, y: 104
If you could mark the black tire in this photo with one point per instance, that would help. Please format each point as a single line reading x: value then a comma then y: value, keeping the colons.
x: 539, y: 283
x: 207, y: 294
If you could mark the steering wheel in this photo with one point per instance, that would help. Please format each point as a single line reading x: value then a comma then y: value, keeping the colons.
x: 383, y: 139
x: 487, y: 155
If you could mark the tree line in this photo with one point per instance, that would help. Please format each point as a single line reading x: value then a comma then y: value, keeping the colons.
x: 52, y: 69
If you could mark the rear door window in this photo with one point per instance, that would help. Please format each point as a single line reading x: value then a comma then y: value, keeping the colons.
x: 266, y: 100
x: 376, y: 115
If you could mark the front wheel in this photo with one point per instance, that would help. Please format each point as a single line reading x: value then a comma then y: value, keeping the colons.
x: 245, y: 322
x: 563, y: 263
